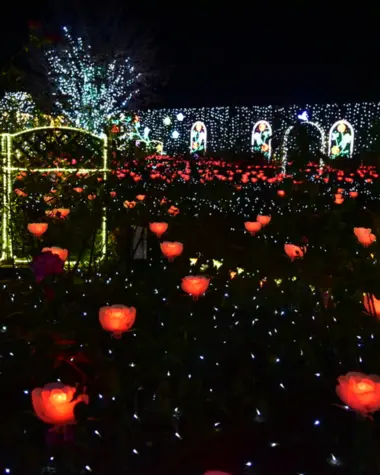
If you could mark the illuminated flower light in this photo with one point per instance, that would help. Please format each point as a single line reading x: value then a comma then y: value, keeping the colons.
x: 129, y: 204
x: 195, y: 285
x: 158, y: 228
x: 20, y: 193
x: 140, y: 197
x: 61, y: 213
x: 294, y: 252
x: 173, y: 210
x: 360, y: 392
x: 117, y: 319
x: 61, y: 253
x: 372, y: 305
x: 281, y: 193
x: 171, y: 250
x: 253, y: 227
x: 263, y: 220
x: 353, y: 194
x: 364, y: 236
x: 37, y: 229
x: 55, y: 403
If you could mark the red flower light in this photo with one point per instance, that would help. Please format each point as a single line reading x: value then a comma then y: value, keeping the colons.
x: 360, y: 392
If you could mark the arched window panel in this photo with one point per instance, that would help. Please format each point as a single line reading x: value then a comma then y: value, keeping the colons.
x: 261, y: 141
x: 198, y: 137
x: 341, y: 140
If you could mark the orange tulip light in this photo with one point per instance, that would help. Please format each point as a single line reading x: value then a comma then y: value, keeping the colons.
x: 372, y: 305
x: 364, y: 236
x: 158, y: 228
x: 195, y: 285
x: 360, y: 392
x: 294, y: 252
x: 281, y: 193
x: 117, y: 319
x: 63, y: 254
x: 353, y: 194
x: 55, y: 403
x: 252, y: 227
x: 37, y: 229
x: 140, y: 197
x: 171, y: 250
x: 263, y: 220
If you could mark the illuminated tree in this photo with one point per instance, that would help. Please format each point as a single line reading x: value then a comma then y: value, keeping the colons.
x: 88, y: 88
x: 17, y: 111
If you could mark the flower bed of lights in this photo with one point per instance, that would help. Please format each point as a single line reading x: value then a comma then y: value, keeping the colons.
x: 252, y: 351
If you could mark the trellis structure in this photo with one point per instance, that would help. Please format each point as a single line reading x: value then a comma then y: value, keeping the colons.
x: 24, y: 148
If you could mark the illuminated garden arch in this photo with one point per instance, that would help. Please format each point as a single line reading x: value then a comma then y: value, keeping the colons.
x: 198, y: 137
x: 341, y: 140
x: 261, y: 140
x: 285, y: 146
x: 13, y: 154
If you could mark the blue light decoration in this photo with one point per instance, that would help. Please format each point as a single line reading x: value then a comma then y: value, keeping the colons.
x: 304, y: 116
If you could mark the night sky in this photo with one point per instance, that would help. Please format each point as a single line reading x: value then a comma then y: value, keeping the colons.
x: 237, y: 53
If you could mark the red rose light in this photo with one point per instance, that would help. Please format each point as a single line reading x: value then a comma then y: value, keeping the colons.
x: 252, y: 227
x: 195, y: 285
x: 117, y: 319
x: 294, y: 252
x: 158, y: 228
x: 55, y: 403
x: 171, y: 250
x: 360, y: 392
x: 364, y: 236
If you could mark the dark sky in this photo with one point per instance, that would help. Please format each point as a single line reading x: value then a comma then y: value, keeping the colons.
x: 238, y: 52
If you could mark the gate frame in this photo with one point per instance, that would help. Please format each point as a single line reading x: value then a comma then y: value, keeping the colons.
x: 7, y: 169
